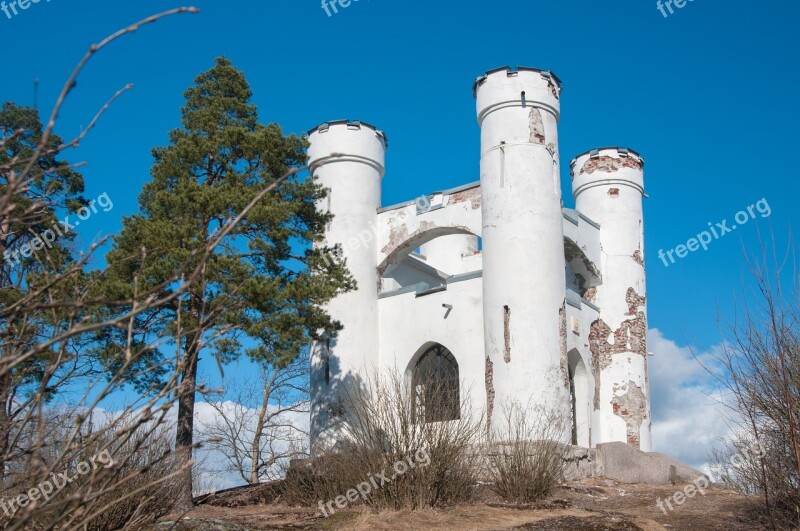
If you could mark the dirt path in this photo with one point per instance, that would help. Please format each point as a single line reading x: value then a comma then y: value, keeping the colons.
x: 588, y: 505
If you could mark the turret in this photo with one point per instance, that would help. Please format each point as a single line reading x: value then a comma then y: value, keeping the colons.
x: 348, y: 158
x: 523, y: 243
x: 608, y: 187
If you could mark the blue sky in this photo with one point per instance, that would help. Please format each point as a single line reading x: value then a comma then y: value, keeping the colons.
x: 706, y: 95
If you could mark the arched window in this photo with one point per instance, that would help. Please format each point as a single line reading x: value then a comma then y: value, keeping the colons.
x: 435, y: 386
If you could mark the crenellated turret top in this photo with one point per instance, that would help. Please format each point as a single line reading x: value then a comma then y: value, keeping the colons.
x: 521, y: 87
x: 607, y: 166
x: 347, y: 141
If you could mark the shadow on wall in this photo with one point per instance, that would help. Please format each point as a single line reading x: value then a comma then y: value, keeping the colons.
x: 329, y: 391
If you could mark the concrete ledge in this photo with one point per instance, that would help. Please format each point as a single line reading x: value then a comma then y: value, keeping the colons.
x: 620, y: 461
x: 580, y: 463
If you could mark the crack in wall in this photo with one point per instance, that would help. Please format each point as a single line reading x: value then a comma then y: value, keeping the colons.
x: 506, y: 334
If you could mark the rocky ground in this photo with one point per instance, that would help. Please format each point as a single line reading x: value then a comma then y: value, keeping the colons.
x: 589, y: 505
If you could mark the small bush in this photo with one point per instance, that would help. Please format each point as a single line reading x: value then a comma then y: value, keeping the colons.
x: 525, y: 458
x: 407, y: 463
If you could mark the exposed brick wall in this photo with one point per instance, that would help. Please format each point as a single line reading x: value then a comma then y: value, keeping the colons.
x: 610, y: 164
x: 631, y: 406
x: 536, y: 125
x: 590, y: 294
x: 553, y: 88
x: 489, y: 379
x: 472, y: 194
x: 631, y: 336
x: 506, y: 334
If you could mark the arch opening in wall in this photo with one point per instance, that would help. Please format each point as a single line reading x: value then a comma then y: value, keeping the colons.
x: 582, y: 273
x: 434, y: 263
x: 435, y: 386
x: 397, y: 251
x: 579, y: 394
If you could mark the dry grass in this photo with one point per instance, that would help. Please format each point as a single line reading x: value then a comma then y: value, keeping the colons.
x: 591, y: 505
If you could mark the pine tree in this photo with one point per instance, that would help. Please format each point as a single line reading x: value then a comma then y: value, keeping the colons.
x: 260, y: 291
x: 37, y: 189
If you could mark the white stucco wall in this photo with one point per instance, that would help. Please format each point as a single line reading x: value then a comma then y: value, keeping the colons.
x: 402, y: 228
x: 451, y: 254
x: 410, y: 323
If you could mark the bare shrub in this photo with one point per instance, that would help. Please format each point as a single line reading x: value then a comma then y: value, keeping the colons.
x: 736, y: 465
x: 525, y: 458
x: 254, y: 426
x: 148, y: 464
x: 381, y: 428
x: 759, y: 365
x: 120, y: 473
x: 321, y: 478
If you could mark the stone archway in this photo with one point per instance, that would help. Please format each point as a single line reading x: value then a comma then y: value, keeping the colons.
x: 579, y: 394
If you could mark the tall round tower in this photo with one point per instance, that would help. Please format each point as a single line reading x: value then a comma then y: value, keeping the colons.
x: 523, y: 242
x: 608, y: 187
x: 349, y: 159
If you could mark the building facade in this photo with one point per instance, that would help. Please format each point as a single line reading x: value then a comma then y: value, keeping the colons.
x: 492, y: 291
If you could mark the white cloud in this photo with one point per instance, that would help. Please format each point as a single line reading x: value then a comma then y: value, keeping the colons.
x: 688, y: 418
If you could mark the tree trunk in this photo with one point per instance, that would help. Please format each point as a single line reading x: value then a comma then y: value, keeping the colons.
x: 256, y: 449
x: 185, y: 430
x: 5, y: 424
x: 5, y: 378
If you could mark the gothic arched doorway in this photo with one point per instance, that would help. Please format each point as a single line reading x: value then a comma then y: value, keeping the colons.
x: 435, y: 386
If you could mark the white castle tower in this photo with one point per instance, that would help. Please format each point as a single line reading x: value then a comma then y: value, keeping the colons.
x: 523, y: 237
x: 491, y: 288
x: 348, y: 158
x: 608, y: 186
